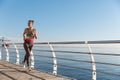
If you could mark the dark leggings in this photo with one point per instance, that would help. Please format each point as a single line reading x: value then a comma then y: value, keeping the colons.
x: 28, y: 48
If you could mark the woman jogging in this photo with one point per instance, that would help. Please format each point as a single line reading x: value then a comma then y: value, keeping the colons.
x: 28, y: 36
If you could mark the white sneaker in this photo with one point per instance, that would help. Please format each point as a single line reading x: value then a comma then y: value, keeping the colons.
x: 29, y: 68
x: 23, y: 64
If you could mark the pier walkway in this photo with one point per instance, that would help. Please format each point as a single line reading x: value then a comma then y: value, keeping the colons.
x: 10, y: 71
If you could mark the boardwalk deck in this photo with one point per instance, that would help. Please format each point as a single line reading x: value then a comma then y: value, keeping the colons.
x: 9, y: 71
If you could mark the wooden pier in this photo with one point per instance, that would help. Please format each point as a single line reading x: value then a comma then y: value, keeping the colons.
x: 10, y: 71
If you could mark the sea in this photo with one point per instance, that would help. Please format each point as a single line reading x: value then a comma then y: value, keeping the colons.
x: 74, y: 61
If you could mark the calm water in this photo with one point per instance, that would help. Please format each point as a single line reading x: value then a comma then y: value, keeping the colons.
x: 40, y: 62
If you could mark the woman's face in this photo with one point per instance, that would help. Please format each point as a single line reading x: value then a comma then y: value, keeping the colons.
x: 30, y: 24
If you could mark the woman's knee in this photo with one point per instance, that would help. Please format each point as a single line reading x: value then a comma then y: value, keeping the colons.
x: 28, y: 54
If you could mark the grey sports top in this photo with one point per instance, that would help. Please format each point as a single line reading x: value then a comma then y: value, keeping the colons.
x: 29, y: 33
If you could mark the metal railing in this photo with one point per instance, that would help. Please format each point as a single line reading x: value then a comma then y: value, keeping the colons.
x: 59, y: 57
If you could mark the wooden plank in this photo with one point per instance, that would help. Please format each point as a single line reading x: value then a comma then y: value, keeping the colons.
x: 9, y: 71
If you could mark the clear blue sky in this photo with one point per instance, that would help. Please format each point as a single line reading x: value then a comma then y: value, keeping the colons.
x: 62, y: 20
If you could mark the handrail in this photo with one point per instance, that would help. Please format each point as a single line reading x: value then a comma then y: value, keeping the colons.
x: 7, y: 53
x: 54, y: 60
x: 0, y: 55
x: 17, y: 54
x: 89, y: 52
x: 80, y: 42
x: 93, y: 62
x: 76, y: 52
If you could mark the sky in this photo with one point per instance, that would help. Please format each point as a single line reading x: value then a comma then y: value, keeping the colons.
x: 61, y: 20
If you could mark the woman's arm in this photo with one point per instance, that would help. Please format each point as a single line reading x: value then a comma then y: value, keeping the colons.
x: 24, y: 34
x: 36, y: 36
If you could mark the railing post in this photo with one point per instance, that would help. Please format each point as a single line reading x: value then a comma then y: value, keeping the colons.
x: 92, y: 62
x: 7, y: 53
x: 54, y: 60
x: 1, y: 42
x: 0, y: 49
x: 0, y: 54
x: 17, y: 55
x: 31, y: 59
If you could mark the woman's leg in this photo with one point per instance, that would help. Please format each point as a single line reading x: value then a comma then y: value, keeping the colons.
x: 28, y: 55
x: 27, y: 52
x: 28, y: 48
